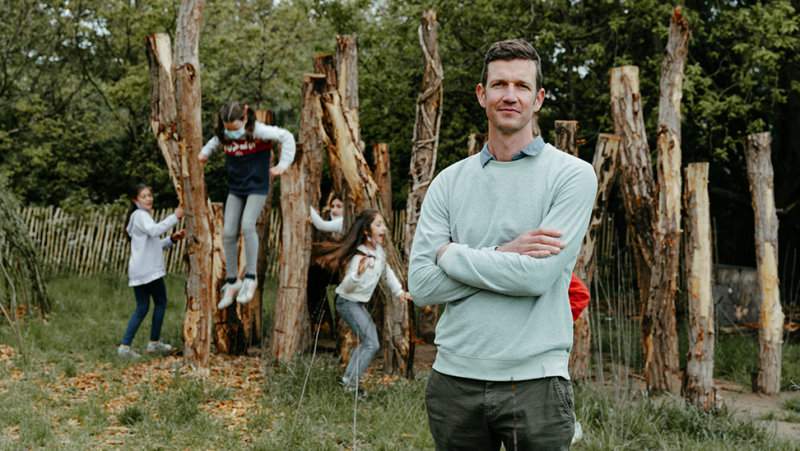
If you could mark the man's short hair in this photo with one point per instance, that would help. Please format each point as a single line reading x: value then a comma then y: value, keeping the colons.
x: 512, y: 49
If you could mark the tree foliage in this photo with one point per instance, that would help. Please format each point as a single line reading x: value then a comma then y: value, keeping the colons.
x: 74, y: 100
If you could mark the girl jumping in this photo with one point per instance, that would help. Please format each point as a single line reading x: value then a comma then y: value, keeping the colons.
x: 360, y: 253
x: 247, y: 145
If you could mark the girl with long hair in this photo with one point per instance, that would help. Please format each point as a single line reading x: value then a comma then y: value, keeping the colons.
x: 360, y: 254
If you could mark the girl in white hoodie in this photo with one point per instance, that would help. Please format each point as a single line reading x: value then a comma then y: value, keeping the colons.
x: 360, y: 253
x: 146, y: 268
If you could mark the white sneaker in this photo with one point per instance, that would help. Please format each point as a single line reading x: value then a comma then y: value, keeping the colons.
x: 158, y: 346
x: 229, y: 291
x: 248, y: 291
x: 127, y: 352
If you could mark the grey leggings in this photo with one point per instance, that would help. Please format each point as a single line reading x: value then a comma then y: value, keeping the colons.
x: 244, y: 209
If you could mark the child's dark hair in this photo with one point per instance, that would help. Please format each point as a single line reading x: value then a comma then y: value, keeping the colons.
x: 234, y: 111
x: 326, y: 211
x: 333, y: 255
x: 132, y: 207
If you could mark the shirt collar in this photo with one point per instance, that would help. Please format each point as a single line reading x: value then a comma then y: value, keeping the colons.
x: 531, y: 150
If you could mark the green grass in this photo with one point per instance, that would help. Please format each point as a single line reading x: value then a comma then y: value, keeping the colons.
x: 45, y: 402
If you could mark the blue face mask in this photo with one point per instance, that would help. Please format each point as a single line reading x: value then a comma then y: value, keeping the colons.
x: 235, y: 134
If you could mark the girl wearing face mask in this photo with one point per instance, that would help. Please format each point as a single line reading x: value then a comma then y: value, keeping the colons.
x: 360, y: 255
x: 247, y: 144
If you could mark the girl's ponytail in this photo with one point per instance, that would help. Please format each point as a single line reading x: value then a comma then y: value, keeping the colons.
x: 334, y: 255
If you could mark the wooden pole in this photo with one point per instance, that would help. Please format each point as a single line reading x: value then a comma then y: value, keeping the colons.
x: 476, y: 143
x: 605, y: 163
x: 567, y: 137
x: 425, y: 145
x: 659, y: 326
x: 294, y: 260
x: 175, y: 120
x: 699, y: 389
x: 770, y: 324
x: 340, y: 133
x: 383, y: 177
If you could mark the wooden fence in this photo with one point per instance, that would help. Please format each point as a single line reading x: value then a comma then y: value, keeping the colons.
x: 94, y: 242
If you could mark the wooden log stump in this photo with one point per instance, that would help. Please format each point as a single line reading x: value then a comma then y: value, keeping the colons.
x: 699, y: 388
x: 770, y: 324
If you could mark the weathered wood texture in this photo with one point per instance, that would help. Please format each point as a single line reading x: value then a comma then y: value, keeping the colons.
x: 476, y: 143
x: 699, y: 388
x: 425, y: 145
x: 605, y: 163
x: 175, y: 120
x: 770, y: 325
x: 567, y: 137
x: 290, y: 324
x: 636, y: 172
x: 340, y: 132
x: 383, y: 177
x: 659, y: 328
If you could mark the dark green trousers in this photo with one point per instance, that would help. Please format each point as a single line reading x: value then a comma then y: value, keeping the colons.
x: 470, y: 414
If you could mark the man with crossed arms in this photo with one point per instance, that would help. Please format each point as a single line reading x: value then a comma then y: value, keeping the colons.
x: 496, y: 242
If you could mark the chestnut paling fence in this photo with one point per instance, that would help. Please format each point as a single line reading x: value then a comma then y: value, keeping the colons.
x: 93, y: 241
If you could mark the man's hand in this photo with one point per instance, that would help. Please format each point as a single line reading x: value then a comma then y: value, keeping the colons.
x: 538, y: 243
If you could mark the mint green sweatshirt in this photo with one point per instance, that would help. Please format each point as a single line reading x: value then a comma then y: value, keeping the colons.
x: 506, y: 315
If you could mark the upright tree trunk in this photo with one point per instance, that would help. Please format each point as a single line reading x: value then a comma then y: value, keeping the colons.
x: 770, y: 324
x: 659, y: 333
x: 476, y: 143
x: 425, y: 145
x: 383, y: 177
x: 175, y: 120
x: 699, y: 389
x: 636, y: 171
x: 605, y: 163
x: 340, y: 132
x: 567, y: 137
x: 294, y: 259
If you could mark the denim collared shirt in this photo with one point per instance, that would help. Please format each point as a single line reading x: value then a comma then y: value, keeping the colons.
x: 531, y: 150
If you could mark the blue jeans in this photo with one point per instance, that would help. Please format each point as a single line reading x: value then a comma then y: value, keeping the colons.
x: 158, y: 291
x: 357, y: 317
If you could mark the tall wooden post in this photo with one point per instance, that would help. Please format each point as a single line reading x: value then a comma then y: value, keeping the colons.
x: 699, y: 389
x: 383, y: 177
x: 770, y: 330
x: 567, y: 137
x: 340, y: 132
x: 175, y: 120
x: 636, y: 173
x: 605, y: 163
x: 476, y: 143
x: 294, y: 259
x: 659, y: 333
x: 425, y: 145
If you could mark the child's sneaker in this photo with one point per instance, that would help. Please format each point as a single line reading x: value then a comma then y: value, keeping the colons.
x: 248, y: 291
x: 158, y: 346
x: 127, y: 352
x: 229, y: 291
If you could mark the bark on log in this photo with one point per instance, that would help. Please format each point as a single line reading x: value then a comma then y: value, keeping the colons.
x: 699, y: 389
x: 636, y: 171
x: 605, y: 163
x: 659, y: 326
x: 567, y: 137
x: 425, y: 145
x: 175, y: 120
x: 770, y: 324
x: 383, y: 177
x: 476, y: 143
x: 294, y: 259
x: 535, y: 125
x: 340, y: 133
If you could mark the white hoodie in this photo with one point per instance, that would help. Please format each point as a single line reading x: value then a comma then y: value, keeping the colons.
x: 147, y: 257
x: 359, y: 287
